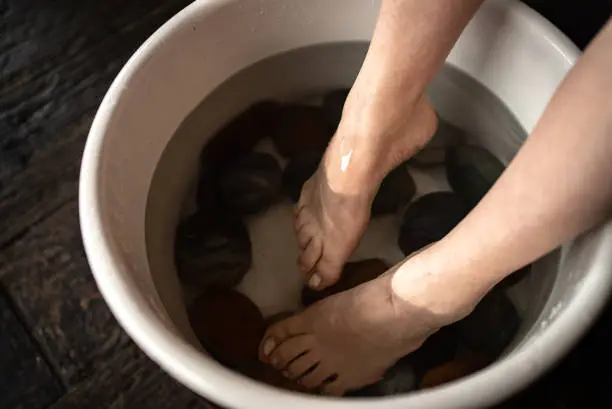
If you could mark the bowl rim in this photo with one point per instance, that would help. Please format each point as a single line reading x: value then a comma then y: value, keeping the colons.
x: 211, y: 380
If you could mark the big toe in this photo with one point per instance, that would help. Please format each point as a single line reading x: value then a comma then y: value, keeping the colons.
x: 277, y: 334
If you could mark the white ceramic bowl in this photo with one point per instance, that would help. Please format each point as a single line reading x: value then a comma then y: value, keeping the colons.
x: 511, y: 50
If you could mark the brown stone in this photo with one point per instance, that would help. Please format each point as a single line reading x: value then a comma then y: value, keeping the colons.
x: 299, y: 129
x: 241, y: 134
x: 353, y: 274
x: 453, y: 370
x: 229, y: 326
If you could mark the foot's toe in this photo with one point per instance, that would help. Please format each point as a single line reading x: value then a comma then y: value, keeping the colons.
x: 277, y: 334
x: 328, y: 272
x: 334, y: 388
x: 310, y: 256
x: 315, y: 377
x: 306, y: 234
x: 289, y: 350
x: 301, y: 365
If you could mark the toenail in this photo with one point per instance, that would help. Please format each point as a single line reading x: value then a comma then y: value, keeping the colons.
x: 268, y: 346
x: 286, y: 374
x: 315, y: 280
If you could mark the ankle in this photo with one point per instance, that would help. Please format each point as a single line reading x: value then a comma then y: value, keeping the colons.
x: 429, y: 281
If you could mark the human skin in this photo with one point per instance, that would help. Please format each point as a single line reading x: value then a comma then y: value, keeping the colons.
x: 558, y: 186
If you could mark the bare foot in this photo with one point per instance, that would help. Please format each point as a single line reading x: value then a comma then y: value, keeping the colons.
x: 349, y: 340
x: 334, y: 207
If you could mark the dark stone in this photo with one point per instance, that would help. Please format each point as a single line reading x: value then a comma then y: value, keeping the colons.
x: 450, y: 371
x: 440, y: 347
x: 212, y: 250
x: 250, y: 184
x: 429, y: 219
x: 492, y: 326
x: 434, y: 152
x: 400, y: 378
x: 471, y: 171
x: 396, y: 190
x: 515, y: 277
x: 333, y: 104
x: 228, y: 325
x: 301, y: 128
x: 235, y: 139
x: 353, y: 274
x: 240, y: 135
x: 297, y: 172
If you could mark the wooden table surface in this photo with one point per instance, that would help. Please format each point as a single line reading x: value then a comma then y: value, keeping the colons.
x: 60, y: 347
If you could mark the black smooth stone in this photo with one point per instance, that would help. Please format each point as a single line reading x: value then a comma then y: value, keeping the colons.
x: 400, y: 378
x: 471, y: 171
x: 429, y: 219
x: 440, y: 347
x: 333, y: 104
x: 301, y: 128
x: 235, y: 139
x: 212, y: 250
x: 396, y: 190
x: 515, y: 278
x: 433, y: 153
x: 492, y: 326
x: 239, y: 135
x: 297, y: 172
x: 250, y: 184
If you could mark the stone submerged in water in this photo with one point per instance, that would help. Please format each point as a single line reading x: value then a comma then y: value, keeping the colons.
x: 515, y: 278
x: 471, y: 171
x: 234, y: 139
x: 229, y: 326
x: 212, y: 250
x: 461, y: 366
x: 301, y: 128
x: 240, y: 135
x: 492, y: 326
x: 400, y: 378
x: 440, y: 347
x: 433, y: 153
x: 250, y: 183
x: 298, y: 171
x: 333, y: 104
x: 396, y: 190
x: 353, y: 274
x: 429, y: 219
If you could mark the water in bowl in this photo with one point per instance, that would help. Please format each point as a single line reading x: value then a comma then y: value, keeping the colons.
x: 274, y: 282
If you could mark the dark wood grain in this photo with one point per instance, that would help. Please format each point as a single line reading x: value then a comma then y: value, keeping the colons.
x: 47, y: 275
x: 57, y: 60
x: 131, y: 380
x: 26, y: 381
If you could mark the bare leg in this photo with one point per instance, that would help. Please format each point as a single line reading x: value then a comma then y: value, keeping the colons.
x: 385, y: 120
x: 559, y: 185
